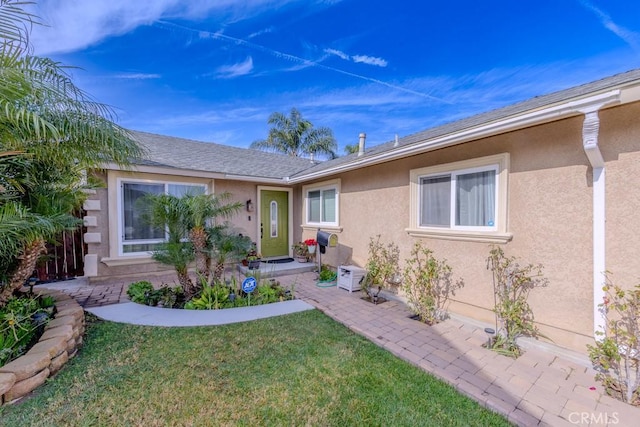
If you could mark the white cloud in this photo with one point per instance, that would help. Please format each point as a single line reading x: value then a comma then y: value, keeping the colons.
x: 74, y: 25
x: 337, y: 53
x: 240, y: 69
x: 364, y: 59
x: 370, y: 60
x: 137, y: 76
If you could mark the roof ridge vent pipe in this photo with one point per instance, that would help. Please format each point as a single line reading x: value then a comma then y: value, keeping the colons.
x: 363, y: 137
x: 396, y: 143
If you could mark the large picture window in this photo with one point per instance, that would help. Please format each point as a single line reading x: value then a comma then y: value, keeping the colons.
x: 136, y: 235
x: 461, y: 201
x: 321, y: 204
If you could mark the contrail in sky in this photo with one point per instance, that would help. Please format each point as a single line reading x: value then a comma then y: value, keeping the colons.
x: 630, y: 37
x: 297, y: 59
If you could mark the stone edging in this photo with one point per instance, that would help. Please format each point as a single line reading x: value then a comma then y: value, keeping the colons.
x: 60, y: 342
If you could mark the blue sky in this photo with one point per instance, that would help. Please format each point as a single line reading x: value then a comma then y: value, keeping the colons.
x: 215, y: 70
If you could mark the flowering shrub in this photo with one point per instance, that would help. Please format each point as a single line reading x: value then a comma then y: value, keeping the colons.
x: 616, y: 356
x: 511, y: 286
x: 300, y: 249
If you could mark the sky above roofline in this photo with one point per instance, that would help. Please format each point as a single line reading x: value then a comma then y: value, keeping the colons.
x: 214, y: 71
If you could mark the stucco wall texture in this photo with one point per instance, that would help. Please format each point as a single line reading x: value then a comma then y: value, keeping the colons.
x: 107, y: 218
x: 550, y: 214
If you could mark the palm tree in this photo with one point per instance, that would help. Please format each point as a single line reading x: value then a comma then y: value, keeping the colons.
x: 50, y: 133
x: 296, y: 136
x: 226, y: 244
x: 201, y: 209
x: 351, y: 148
x: 186, y: 218
x: 167, y: 211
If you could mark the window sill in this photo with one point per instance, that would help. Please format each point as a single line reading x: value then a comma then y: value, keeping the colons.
x: 133, y: 260
x: 335, y: 228
x: 465, y: 236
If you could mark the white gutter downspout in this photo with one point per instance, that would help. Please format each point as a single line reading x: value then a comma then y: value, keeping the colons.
x: 590, y: 130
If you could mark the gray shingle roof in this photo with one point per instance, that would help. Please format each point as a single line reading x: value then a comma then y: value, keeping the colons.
x: 484, y: 118
x: 167, y: 151
x: 171, y: 152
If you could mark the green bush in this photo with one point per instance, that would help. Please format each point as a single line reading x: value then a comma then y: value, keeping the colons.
x: 138, y: 291
x: 616, y: 356
x: 382, y: 266
x: 428, y: 284
x: 18, y: 329
x: 221, y: 295
x: 142, y: 292
x: 512, y: 284
x: 327, y: 274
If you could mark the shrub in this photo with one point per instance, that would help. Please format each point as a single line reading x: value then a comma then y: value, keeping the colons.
x: 616, y: 356
x: 211, y: 298
x: 22, y: 321
x: 138, y: 291
x: 428, y: 284
x: 221, y: 295
x: 327, y: 274
x: 512, y: 284
x: 382, y: 266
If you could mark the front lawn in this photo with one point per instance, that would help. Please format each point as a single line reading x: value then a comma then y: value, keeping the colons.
x: 300, y: 369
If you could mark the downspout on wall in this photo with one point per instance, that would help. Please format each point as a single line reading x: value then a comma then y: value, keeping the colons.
x: 590, y: 131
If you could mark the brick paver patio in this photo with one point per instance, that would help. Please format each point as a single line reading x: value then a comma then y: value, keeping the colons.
x: 541, y: 388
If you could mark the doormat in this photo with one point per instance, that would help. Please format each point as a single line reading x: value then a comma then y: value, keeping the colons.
x: 279, y: 261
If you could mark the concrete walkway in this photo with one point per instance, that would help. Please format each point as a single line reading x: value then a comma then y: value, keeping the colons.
x: 137, y: 314
x: 544, y: 387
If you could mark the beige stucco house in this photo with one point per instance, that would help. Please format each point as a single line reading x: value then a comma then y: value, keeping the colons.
x: 553, y: 180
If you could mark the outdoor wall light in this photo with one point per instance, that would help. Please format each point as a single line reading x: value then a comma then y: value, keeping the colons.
x: 249, y: 206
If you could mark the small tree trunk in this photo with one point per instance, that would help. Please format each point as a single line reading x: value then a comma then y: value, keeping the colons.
x: 26, y: 265
x: 217, y: 273
x: 186, y: 283
x: 198, y: 237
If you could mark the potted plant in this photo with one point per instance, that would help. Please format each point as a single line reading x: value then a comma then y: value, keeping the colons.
x: 300, y: 251
x: 253, y: 258
x: 311, y: 245
x: 253, y: 261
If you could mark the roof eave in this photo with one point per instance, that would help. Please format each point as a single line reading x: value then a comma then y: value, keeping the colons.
x: 565, y: 109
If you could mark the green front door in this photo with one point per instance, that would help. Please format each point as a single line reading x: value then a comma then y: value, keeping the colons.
x: 274, y: 223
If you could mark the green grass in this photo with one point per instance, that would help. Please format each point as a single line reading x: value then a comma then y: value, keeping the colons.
x: 300, y: 369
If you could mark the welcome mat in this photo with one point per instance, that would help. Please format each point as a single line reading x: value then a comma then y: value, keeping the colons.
x: 279, y: 261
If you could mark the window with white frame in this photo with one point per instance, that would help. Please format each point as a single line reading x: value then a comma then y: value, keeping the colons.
x: 321, y: 203
x: 137, y: 236
x: 461, y: 199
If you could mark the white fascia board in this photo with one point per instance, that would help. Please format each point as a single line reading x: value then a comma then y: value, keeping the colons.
x: 508, y: 124
x: 258, y: 179
x: 165, y: 171
x: 196, y: 173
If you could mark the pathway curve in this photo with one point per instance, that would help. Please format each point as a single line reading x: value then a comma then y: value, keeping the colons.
x: 543, y: 387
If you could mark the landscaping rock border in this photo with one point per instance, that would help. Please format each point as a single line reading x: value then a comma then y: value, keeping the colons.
x: 60, y: 342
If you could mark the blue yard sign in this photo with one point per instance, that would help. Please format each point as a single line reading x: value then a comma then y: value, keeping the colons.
x: 249, y: 284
